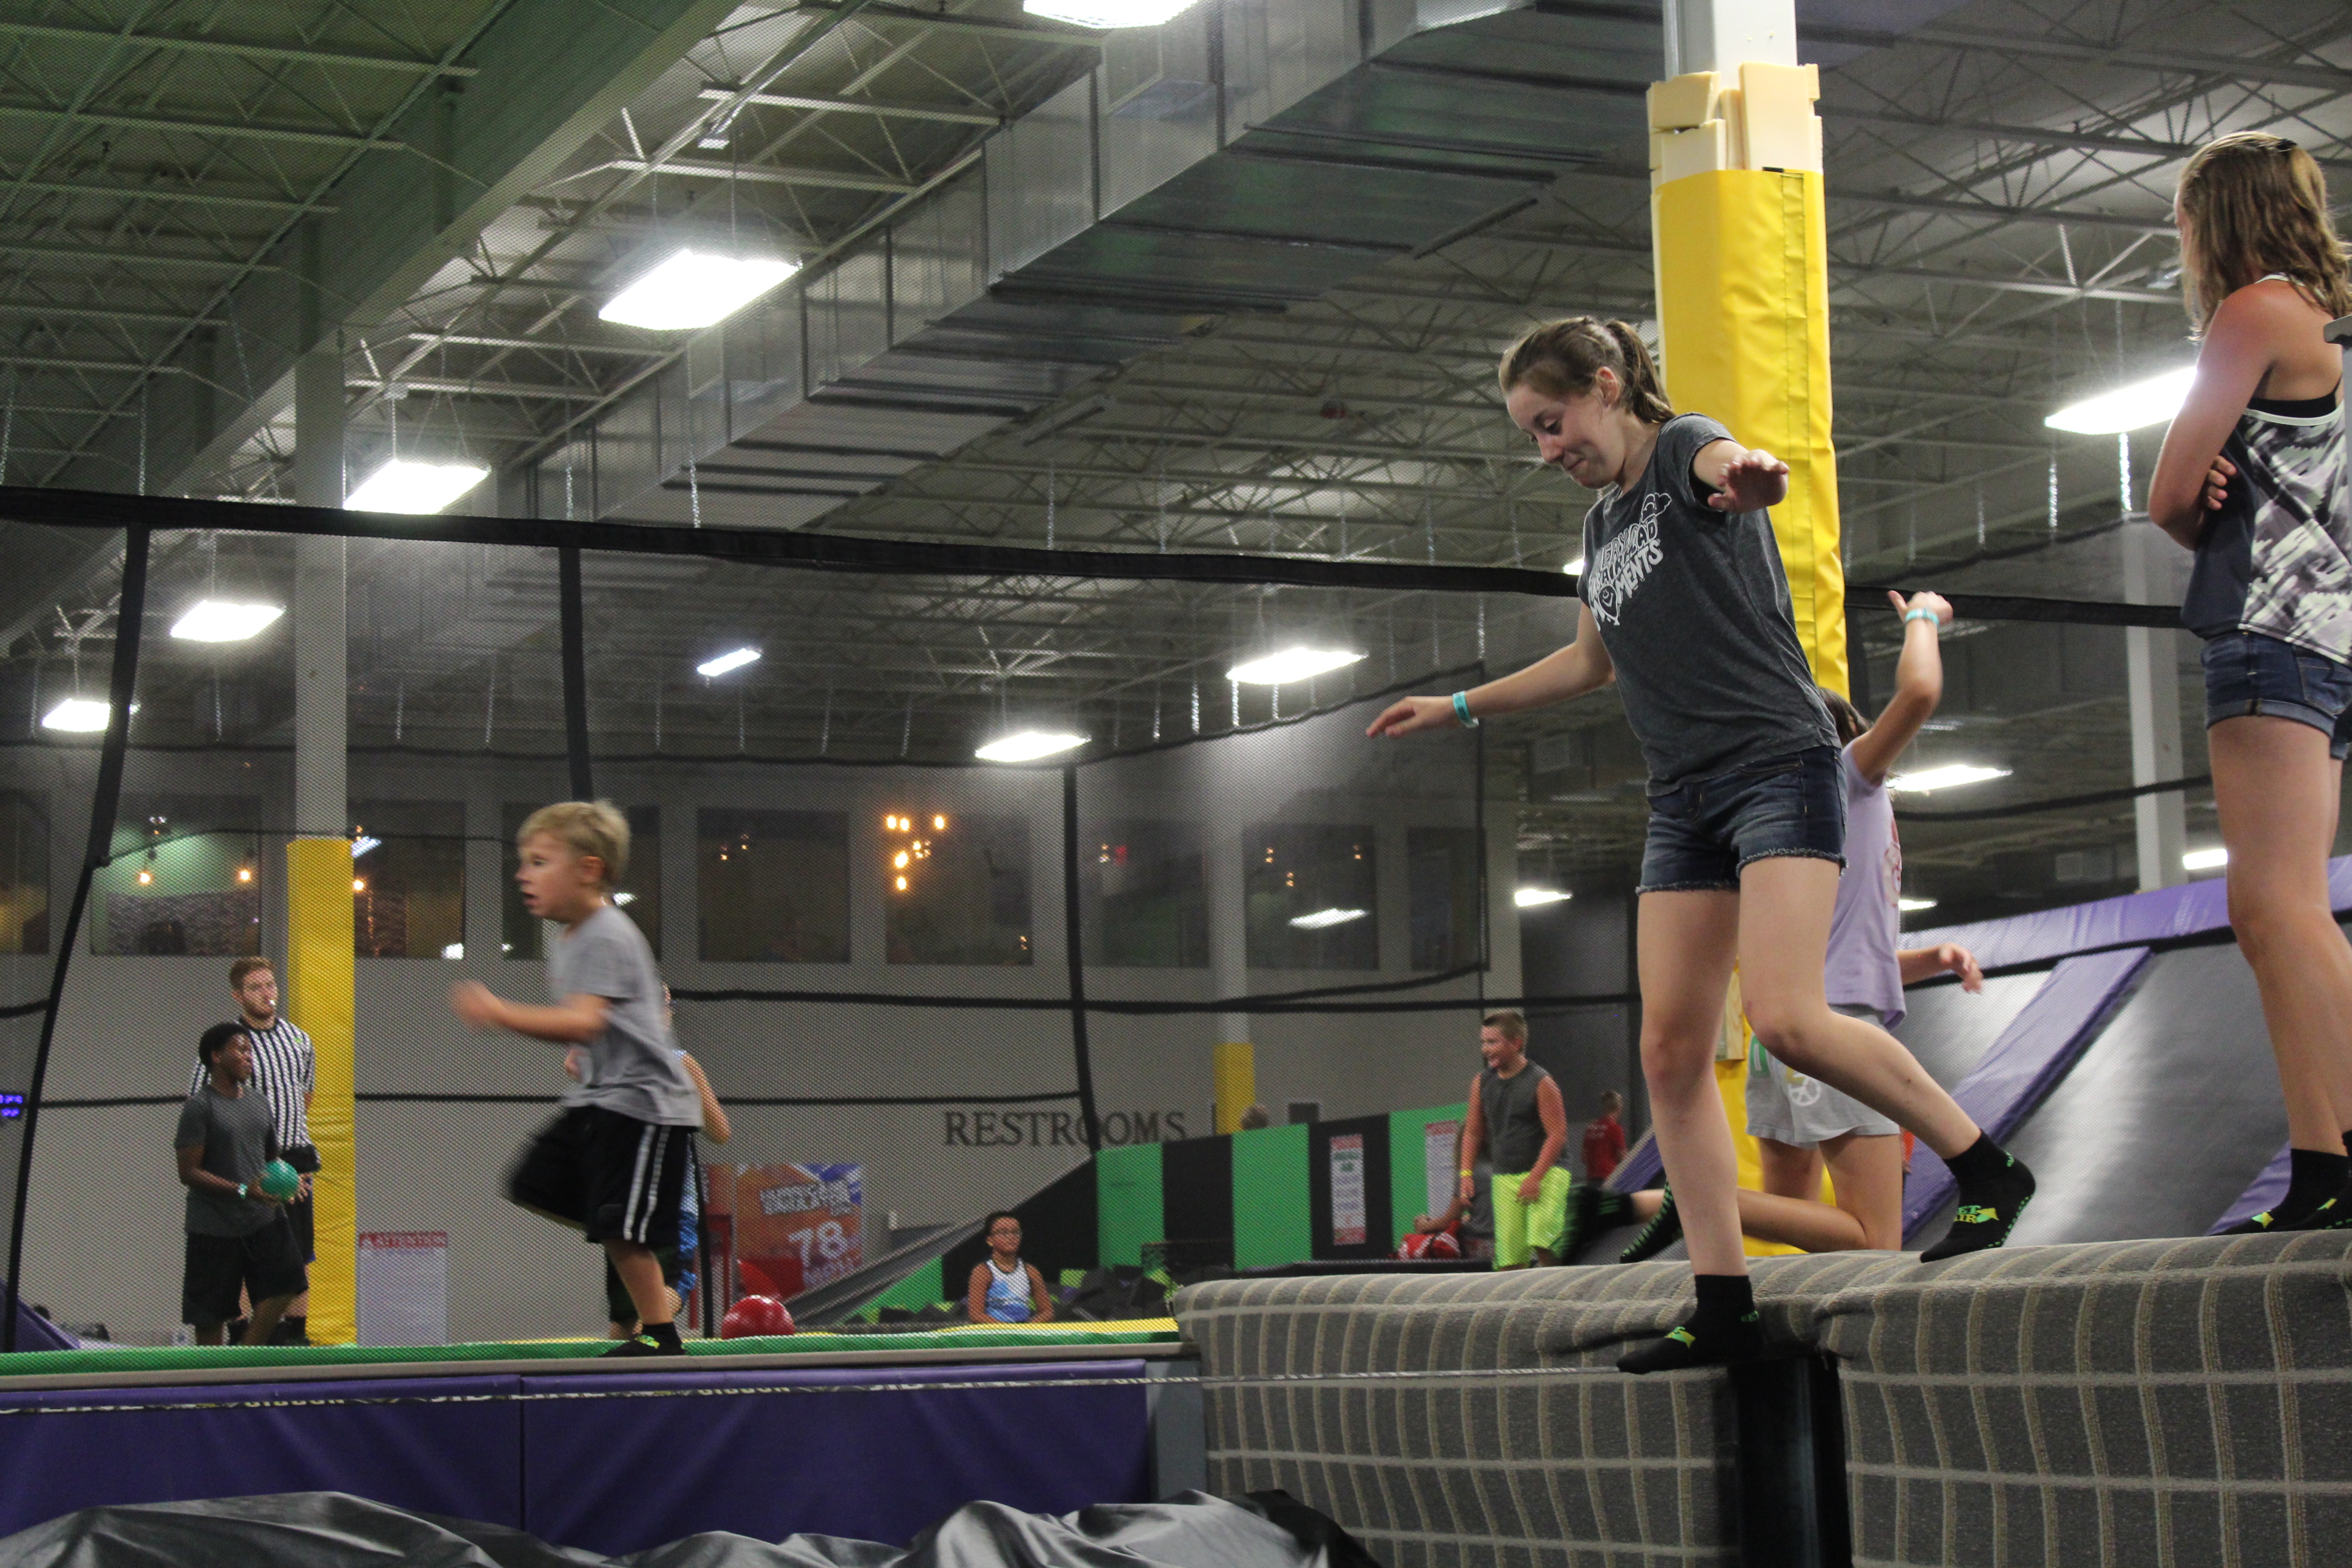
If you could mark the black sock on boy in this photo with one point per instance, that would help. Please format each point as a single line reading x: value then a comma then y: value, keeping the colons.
x: 1724, y: 1330
x: 2334, y: 1210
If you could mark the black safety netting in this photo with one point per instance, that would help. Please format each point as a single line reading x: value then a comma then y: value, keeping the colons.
x: 924, y: 983
x: 866, y: 926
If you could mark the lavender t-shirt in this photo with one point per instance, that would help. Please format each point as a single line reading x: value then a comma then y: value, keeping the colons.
x: 1863, y: 971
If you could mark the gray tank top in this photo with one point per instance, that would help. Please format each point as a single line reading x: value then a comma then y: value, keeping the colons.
x: 1515, y: 1132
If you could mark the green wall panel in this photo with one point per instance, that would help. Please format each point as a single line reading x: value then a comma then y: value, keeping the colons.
x: 1127, y: 1202
x: 1271, y: 1219
x: 922, y: 1288
x: 1408, y: 1163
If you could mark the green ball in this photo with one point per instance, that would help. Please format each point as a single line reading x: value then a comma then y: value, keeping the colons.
x: 280, y: 1181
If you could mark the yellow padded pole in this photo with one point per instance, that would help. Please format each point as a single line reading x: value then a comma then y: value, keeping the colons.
x: 319, y: 996
x: 1235, y: 1065
x: 1743, y: 304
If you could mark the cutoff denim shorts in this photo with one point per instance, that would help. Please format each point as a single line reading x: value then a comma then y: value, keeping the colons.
x: 1705, y: 831
x: 2246, y: 673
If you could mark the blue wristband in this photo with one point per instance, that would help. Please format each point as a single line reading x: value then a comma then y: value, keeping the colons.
x: 1462, y: 710
x: 1910, y: 615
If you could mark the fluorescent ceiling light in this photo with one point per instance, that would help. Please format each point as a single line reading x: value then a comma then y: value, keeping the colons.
x: 1290, y: 664
x: 212, y: 620
x: 1323, y: 920
x: 694, y: 289
x: 1107, y: 13
x: 1909, y: 905
x: 404, y: 486
x: 727, y: 662
x: 2204, y: 859
x: 2149, y: 402
x: 362, y: 844
x: 1950, y: 776
x: 1528, y: 898
x: 1027, y: 746
x: 80, y: 716
x: 1575, y: 568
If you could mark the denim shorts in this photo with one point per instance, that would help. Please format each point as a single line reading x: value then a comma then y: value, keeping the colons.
x: 1704, y: 832
x: 2246, y: 673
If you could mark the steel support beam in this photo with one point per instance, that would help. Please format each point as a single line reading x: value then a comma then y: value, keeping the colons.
x: 348, y: 59
x: 859, y: 106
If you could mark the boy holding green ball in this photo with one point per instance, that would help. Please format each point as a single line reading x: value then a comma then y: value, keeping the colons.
x: 237, y: 1235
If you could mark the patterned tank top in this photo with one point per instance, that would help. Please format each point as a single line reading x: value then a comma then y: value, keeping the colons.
x: 2276, y: 559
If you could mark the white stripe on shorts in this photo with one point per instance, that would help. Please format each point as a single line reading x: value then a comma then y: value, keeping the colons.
x: 644, y: 1183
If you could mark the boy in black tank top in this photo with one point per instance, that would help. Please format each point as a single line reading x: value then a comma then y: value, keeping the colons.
x: 1516, y: 1119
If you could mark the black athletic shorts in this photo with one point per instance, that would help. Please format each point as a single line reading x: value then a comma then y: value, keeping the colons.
x: 304, y: 1219
x: 614, y: 1177
x: 266, y: 1264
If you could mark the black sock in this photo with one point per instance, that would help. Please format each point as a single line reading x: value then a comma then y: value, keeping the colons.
x: 2313, y: 1177
x: 1994, y: 1189
x: 1724, y: 1329
x: 2331, y: 1206
x: 663, y: 1334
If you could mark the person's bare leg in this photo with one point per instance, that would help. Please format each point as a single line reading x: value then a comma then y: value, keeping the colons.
x: 1686, y: 941
x: 640, y: 1271
x: 1646, y: 1204
x: 2277, y: 792
x: 1685, y: 945
x: 1805, y: 1223
x: 265, y: 1319
x: 215, y: 1335
x: 1789, y: 1170
x: 1784, y: 924
x: 1784, y: 932
x: 1866, y: 1179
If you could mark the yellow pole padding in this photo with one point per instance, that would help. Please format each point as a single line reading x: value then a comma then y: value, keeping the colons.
x: 1743, y: 304
x: 1236, y: 1067
x: 319, y: 999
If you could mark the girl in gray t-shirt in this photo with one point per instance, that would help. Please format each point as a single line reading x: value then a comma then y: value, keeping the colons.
x: 1687, y: 611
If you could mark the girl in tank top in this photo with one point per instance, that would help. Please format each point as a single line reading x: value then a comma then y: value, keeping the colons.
x: 1687, y: 611
x: 2252, y: 479
x: 1004, y: 1290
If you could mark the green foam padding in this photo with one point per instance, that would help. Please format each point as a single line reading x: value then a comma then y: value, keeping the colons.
x: 1127, y: 1204
x: 1408, y: 1162
x: 200, y: 1358
x: 1272, y: 1223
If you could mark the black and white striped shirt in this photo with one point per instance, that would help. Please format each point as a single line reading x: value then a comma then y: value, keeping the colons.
x: 284, y: 1069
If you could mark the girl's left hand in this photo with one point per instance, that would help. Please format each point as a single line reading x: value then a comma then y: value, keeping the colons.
x: 1751, y: 481
x: 2216, y: 482
x: 1958, y: 960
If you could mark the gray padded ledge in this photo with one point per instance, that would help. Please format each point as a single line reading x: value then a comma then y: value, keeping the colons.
x: 2185, y: 1401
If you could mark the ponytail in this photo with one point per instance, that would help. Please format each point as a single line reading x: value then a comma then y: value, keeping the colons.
x: 1561, y: 359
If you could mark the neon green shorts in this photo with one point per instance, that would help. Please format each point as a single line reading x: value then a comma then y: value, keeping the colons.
x: 1520, y: 1228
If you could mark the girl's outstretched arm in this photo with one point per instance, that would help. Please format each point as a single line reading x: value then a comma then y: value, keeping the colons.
x: 1582, y: 665
x: 1744, y: 478
x: 1919, y: 687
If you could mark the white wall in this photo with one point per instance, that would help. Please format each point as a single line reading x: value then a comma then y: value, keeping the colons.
x: 105, y: 1220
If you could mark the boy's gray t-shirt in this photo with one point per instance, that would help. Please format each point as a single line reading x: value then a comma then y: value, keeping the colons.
x: 1694, y: 608
x: 239, y: 1138
x: 631, y: 1068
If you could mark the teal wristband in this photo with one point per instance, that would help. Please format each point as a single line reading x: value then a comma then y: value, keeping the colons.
x: 1462, y: 710
x: 1910, y: 615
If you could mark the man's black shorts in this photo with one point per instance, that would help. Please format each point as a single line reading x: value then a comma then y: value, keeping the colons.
x: 266, y: 1263
x: 303, y: 1217
x: 618, y: 1179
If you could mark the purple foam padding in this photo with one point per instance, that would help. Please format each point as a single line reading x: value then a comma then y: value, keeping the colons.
x: 2263, y: 1192
x: 34, y: 1332
x: 2041, y: 1044
x: 2190, y: 909
x: 92, y: 1447
x: 833, y: 1454
x: 1642, y: 1167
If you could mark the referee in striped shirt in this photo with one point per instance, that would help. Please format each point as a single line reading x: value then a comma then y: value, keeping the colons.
x: 285, y: 1071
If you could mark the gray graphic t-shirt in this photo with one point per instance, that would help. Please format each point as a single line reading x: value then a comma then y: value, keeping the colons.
x: 631, y: 1067
x: 1693, y: 607
x: 239, y: 1138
